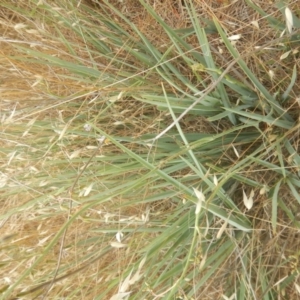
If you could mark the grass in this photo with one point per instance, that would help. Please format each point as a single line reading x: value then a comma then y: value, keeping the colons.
x: 149, y: 150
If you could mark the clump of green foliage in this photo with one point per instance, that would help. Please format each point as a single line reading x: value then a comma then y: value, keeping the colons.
x: 146, y: 171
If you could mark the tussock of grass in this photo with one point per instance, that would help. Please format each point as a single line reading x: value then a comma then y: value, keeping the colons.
x: 101, y: 197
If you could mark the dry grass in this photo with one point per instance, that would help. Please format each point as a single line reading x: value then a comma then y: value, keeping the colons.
x: 64, y: 238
